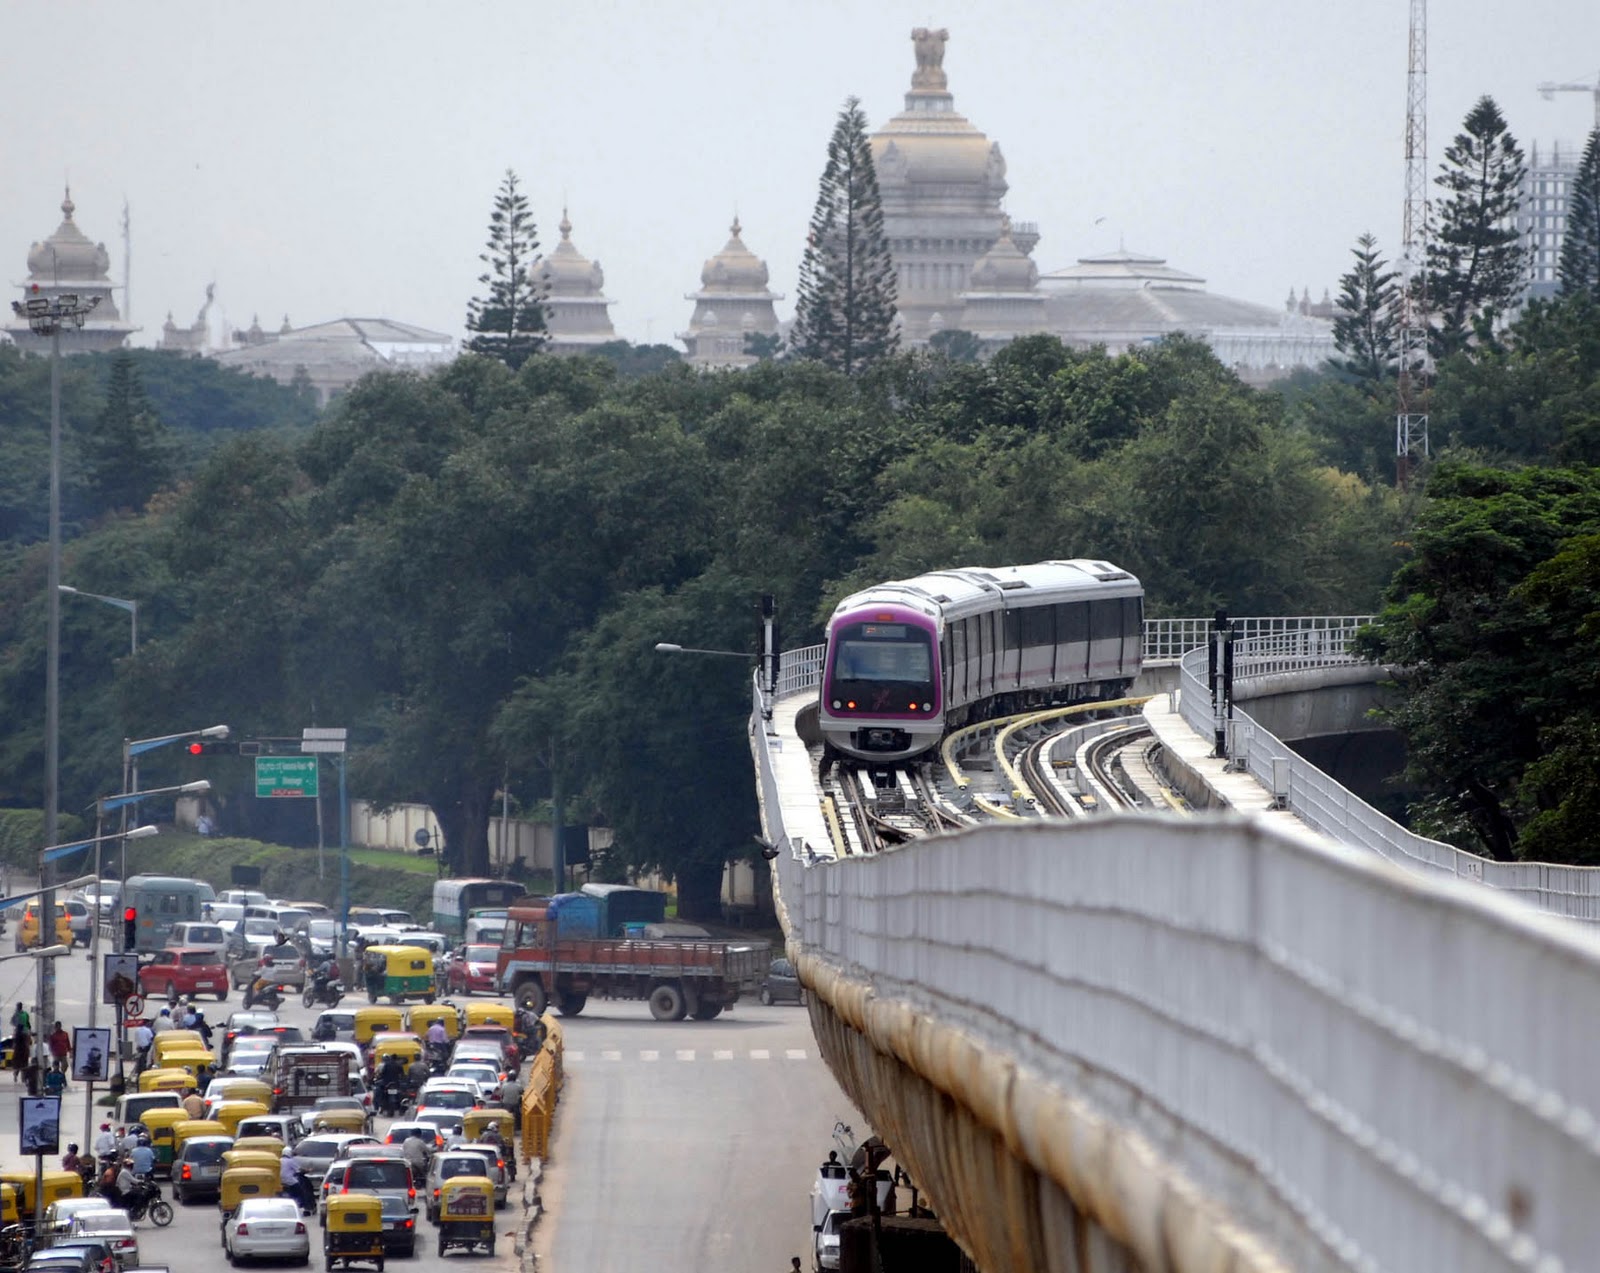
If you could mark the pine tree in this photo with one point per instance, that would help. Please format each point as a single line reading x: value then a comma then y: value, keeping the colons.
x: 845, y: 312
x: 509, y: 324
x: 1366, y: 331
x: 127, y: 452
x: 1477, y: 266
x: 1580, y: 244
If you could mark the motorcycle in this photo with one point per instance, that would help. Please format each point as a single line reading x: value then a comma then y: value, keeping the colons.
x: 270, y: 997
x: 147, y: 1201
x: 391, y: 1099
x: 438, y: 1058
x: 328, y: 992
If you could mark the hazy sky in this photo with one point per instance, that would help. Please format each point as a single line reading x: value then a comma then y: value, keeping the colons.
x: 340, y: 157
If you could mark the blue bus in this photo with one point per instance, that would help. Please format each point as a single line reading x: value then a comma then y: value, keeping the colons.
x: 160, y: 902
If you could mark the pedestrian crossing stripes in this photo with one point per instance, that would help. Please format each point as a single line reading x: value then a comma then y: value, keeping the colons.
x: 578, y: 1055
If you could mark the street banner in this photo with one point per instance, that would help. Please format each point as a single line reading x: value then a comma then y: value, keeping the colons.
x: 90, y: 1050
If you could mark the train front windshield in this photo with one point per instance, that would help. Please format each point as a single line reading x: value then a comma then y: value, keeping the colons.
x: 883, y: 667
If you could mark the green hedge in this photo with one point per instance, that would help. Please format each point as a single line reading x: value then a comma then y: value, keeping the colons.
x: 22, y: 835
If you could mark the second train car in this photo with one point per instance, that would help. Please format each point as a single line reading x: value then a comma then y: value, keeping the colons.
x: 908, y: 660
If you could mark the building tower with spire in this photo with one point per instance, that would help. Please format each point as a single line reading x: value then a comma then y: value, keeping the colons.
x: 733, y: 302
x: 941, y: 182
x: 575, y: 308
x: 1002, y: 300
x: 68, y: 262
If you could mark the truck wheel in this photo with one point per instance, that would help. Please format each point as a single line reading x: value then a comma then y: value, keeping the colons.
x: 707, y: 1011
x: 532, y: 998
x: 571, y: 1004
x: 666, y: 1003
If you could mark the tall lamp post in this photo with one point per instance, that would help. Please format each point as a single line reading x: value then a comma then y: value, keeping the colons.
x: 132, y: 607
x: 133, y: 748
x: 46, y: 316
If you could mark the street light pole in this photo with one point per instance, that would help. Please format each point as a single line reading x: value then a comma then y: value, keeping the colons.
x: 135, y: 747
x: 45, y: 317
x: 132, y: 607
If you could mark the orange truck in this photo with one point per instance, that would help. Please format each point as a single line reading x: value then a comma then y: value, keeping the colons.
x: 679, y: 977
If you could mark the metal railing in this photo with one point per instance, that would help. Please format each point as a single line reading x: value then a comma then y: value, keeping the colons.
x: 1322, y: 803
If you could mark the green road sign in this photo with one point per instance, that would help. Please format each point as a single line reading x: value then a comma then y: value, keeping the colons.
x: 286, y: 776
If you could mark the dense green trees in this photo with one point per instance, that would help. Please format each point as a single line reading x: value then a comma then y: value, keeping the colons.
x: 1366, y: 332
x: 845, y: 312
x: 1580, y: 243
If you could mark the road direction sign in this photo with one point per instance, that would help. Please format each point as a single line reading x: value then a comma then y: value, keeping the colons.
x: 322, y: 740
x: 291, y: 776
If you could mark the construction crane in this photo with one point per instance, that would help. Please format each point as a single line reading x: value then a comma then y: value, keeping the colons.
x: 1548, y: 91
x: 1411, y: 416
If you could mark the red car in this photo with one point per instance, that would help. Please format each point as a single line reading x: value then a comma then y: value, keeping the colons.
x: 183, y: 970
x: 472, y: 970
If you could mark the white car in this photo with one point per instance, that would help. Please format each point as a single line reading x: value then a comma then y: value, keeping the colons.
x: 58, y: 1215
x: 111, y: 1227
x: 826, y: 1254
x: 250, y: 1054
x: 486, y: 1075
x: 81, y: 920
x: 266, y: 1228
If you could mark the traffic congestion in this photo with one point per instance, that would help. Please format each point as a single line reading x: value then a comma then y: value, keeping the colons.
x: 299, y: 1105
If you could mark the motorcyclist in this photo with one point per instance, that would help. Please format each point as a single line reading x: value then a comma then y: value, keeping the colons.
x: 416, y: 1154
x: 143, y: 1157
x: 417, y: 1073
x: 389, y: 1079
x: 203, y: 1026
x: 295, y: 1184
x: 325, y: 1030
x: 262, y: 990
x: 438, y: 1039
x: 127, y: 1186
x: 72, y: 1160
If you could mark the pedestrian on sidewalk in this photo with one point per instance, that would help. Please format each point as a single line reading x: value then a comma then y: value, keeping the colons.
x: 21, y: 1050
x: 60, y: 1047
x: 20, y: 1020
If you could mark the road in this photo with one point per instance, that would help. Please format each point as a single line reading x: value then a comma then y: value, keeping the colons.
x: 687, y: 1146
x: 192, y: 1241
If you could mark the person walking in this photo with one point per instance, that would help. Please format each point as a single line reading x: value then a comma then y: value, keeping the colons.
x: 21, y: 1051
x: 60, y: 1047
x: 105, y: 1144
x: 193, y: 1104
x: 20, y: 1020
x: 143, y: 1036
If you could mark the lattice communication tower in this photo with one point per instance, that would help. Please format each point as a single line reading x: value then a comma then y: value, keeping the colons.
x: 1411, y: 419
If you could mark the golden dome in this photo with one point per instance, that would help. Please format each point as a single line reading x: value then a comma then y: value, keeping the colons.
x: 930, y: 142
x: 734, y: 269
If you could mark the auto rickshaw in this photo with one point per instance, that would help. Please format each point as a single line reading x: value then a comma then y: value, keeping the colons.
x: 264, y: 1159
x: 466, y: 1213
x: 57, y: 1185
x: 238, y: 1087
x: 260, y: 1145
x: 370, y: 1021
x: 406, y: 1046
x: 159, y: 1123
x: 353, y: 1230
x: 478, y: 1013
x: 193, y: 1061
x: 228, y: 1113
x: 10, y: 1204
x: 165, y: 1080
x: 239, y: 1183
x: 419, y: 1019
x: 191, y: 1127
x: 174, y: 1041
x: 398, y: 973
x: 339, y: 1119
x: 476, y: 1122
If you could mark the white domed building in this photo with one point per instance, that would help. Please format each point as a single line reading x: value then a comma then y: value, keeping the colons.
x: 1002, y: 300
x: 575, y: 306
x: 733, y: 302
x: 68, y: 263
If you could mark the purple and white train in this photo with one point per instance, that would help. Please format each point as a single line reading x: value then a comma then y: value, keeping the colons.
x: 909, y: 660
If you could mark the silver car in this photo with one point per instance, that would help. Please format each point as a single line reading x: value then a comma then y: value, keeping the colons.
x: 111, y: 1227
x: 266, y: 1228
x: 197, y: 1170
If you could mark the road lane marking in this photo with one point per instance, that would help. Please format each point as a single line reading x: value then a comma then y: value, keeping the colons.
x: 573, y: 1054
x: 795, y: 1054
x: 610, y: 1055
x: 760, y: 1054
x: 685, y: 1054
x: 721, y: 1055
x: 649, y: 1054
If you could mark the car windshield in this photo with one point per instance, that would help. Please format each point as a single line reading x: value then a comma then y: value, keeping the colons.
x: 378, y: 1175
x: 259, y: 926
x: 317, y: 1147
x: 269, y: 1209
x: 205, y: 1151
x: 103, y: 1222
x: 281, y: 954
x: 322, y: 928
x: 448, y: 1098
x: 461, y: 1165
x: 482, y: 954
x: 446, y: 1121
x: 204, y: 957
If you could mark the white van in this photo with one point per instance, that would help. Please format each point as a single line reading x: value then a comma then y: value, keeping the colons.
x: 243, y: 896
x: 486, y: 932
x: 204, y: 933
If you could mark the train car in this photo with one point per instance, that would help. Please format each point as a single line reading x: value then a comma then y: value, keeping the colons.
x: 909, y: 660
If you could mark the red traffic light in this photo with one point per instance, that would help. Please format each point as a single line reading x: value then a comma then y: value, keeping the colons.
x: 130, y: 915
x: 197, y: 749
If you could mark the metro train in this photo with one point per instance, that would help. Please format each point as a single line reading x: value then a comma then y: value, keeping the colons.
x: 907, y: 661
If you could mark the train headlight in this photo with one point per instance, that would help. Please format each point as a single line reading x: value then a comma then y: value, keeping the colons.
x: 837, y: 704
x: 851, y: 704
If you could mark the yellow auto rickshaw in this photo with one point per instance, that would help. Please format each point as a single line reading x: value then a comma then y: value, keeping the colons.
x: 405, y: 1046
x: 10, y: 1204
x: 478, y: 1013
x: 262, y: 1158
x: 194, y: 1062
x: 466, y: 1213
x: 339, y: 1119
x: 419, y: 1019
x: 229, y: 1112
x: 189, y: 1128
x: 475, y: 1124
x: 159, y: 1123
x: 57, y: 1185
x: 353, y: 1230
x: 239, y: 1183
x: 260, y: 1144
x: 398, y: 973
x: 174, y: 1041
x: 238, y: 1087
x: 370, y: 1021
x: 165, y: 1080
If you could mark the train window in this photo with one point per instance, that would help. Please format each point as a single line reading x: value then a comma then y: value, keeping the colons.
x: 1105, y: 620
x: 1013, y: 629
x: 1072, y: 623
x: 958, y: 660
x: 1038, y: 626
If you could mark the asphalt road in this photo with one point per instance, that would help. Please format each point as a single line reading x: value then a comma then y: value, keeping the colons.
x: 687, y: 1146
x: 193, y: 1240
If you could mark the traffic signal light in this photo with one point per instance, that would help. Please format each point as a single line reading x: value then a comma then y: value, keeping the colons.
x: 130, y: 927
x: 213, y: 747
